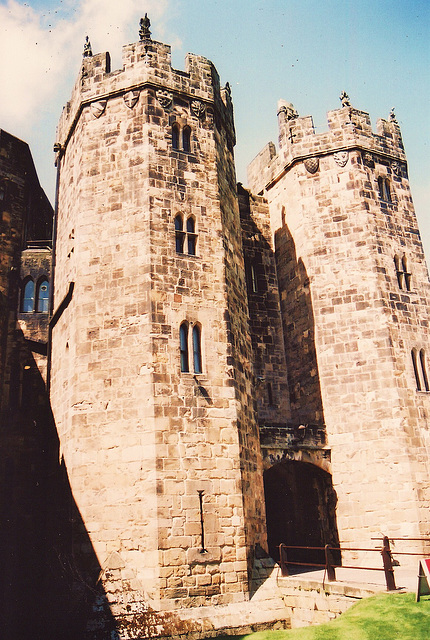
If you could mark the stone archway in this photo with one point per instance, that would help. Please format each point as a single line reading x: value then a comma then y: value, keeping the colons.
x: 300, y: 510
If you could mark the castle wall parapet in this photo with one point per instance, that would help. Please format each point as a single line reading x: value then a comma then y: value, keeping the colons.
x: 348, y: 129
x: 145, y: 64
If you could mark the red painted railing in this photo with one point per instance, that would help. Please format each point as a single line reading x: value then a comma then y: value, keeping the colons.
x: 330, y: 566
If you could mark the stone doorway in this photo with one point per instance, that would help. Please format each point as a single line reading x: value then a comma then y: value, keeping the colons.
x: 300, y: 510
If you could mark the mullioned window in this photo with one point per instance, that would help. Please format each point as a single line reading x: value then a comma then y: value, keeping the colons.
x: 185, y: 238
x: 196, y: 347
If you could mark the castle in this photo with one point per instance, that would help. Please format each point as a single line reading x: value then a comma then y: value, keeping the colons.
x: 193, y: 372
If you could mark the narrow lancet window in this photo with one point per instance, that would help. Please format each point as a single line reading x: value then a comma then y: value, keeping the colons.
x: 399, y: 271
x: 406, y: 274
x: 43, y: 296
x: 384, y: 189
x: 175, y: 136
x: 179, y: 234
x: 197, y: 350
x: 254, y: 281
x: 186, y: 139
x: 191, y: 237
x: 183, y: 344
x: 424, y: 370
x: 416, y: 372
x: 28, y: 297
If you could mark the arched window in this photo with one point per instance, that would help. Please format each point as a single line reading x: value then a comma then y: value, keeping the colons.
x: 183, y: 345
x: 42, y: 305
x: 27, y: 305
x: 179, y: 234
x: 186, y: 139
x: 175, y: 136
x: 384, y: 189
x: 191, y: 237
x: 387, y: 190
x: 424, y: 369
x: 415, y: 365
x: 197, y: 350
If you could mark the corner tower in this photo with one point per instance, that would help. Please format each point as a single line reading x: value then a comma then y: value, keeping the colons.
x: 151, y: 357
x: 341, y: 202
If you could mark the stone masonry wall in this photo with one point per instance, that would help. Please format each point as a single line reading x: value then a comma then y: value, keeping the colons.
x: 26, y: 215
x: 239, y: 349
x: 346, y: 236
x: 299, y: 333
x: 265, y: 315
x: 14, y: 161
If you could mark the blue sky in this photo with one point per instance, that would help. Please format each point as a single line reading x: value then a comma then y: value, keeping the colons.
x: 304, y: 51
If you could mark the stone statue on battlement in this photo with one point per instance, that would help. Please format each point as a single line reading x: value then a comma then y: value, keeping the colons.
x: 88, y: 52
x: 144, y: 32
x: 344, y: 98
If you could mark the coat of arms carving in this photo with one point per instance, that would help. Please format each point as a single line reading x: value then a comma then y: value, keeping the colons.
x: 165, y: 98
x: 312, y: 164
x: 198, y: 108
x: 97, y: 108
x: 131, y: 98
x: 341, y: 158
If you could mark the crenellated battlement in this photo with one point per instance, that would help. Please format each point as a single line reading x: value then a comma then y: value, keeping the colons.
x: 144, y: 63
x: 348, y: 128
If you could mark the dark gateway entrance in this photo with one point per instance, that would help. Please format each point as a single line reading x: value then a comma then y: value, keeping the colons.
x: 300, y: 510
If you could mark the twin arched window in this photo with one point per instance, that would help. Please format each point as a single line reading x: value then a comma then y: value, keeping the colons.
x: 184, y: 348
x: 384, y: 189
x: 187, y: 236
x: 420, y: 369
x: 403, y: 275
x: 35, y: 297
x: 176, y: 138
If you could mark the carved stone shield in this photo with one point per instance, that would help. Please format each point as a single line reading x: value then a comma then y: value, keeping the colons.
x: 97, y: 108
x: 396, y: 168
x: 341, y: 158
x: 312, y: 164
x: 368, y: 160
x: 198, y: 108
x: 131, y: 98
x: 165, y: 98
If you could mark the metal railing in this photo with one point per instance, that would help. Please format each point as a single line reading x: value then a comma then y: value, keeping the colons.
x: 330, y: 566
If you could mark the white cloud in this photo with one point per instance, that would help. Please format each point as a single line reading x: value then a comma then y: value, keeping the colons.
x: 27, y: 61
x: 110, y: 25
x: 40, y: 50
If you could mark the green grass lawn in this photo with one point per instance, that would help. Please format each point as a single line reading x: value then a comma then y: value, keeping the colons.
x: 383, y: 617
